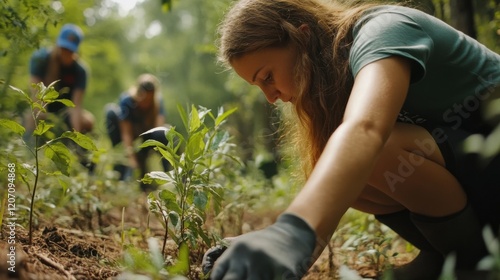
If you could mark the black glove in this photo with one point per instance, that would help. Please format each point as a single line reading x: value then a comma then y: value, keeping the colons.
x: 281, y: 251
x: 210, y: 257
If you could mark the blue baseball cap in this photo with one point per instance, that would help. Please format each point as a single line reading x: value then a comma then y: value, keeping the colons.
x: 70, y: 37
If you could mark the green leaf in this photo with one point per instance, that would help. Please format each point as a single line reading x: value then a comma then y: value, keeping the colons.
x: 38, y: 106
x: 64, y: 185
x: 60, y: 155
x: 194, y: 121
x: 80, y: 139
x: 152, y: 202
x: 195, y: 146
x: 183, y: 116
x: 202, y: 112
x: 66, y: 102
x: 220, y: 138
x: 175, y: 138
x: 159, y: 177
x: 200, y: 200
x: 47, y: 93
x: 26, y: 96
x: 182, y: 265
x: 42, y: 127
x: 152, y: 143
x: 50, y: 95
x: 223, y: 115
x: 174, y: 218
x: 12, y: 126
x: 205, y: 238
x: 169, y: 156
x: 169, y: 199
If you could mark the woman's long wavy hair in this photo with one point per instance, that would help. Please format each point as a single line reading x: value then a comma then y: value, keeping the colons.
x: 147, y: 82
x: 322, y: 74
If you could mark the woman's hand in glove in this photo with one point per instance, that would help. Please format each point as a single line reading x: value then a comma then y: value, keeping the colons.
x: 281, y: 251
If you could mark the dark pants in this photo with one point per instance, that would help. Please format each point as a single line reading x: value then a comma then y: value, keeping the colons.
x: 480, y: 180
x: 113, y: 130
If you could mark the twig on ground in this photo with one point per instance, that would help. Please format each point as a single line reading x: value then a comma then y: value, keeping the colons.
x: 46, y: 260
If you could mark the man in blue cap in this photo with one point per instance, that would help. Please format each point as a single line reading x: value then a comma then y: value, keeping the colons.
x: 62, y: 63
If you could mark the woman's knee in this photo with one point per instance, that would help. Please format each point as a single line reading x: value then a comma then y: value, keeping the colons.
x: 412, y: 171
x: 374, y: 201
x: 415, y: 140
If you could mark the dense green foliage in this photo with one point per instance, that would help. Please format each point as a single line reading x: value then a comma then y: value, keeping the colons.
x: 197, y: 177
x: 173, y: 40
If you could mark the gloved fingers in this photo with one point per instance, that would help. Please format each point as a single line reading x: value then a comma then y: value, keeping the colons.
x: 219, y: 271
x: 259, y: 274
x: 210, y: 257
x: 227, y: 269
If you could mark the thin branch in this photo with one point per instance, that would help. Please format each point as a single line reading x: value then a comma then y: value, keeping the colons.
x: 44, y: 259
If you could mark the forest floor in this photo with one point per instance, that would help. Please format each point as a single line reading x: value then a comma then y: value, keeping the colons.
x: 94, y: 249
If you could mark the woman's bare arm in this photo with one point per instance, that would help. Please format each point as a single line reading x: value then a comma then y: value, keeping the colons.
x: 345, y: 165
x: 76, y: 113
x: 127, y: 136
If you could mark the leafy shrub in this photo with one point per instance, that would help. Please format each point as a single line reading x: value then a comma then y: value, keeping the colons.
x: 196, y: 176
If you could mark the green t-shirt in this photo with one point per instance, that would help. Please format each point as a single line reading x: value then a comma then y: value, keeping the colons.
x: 451, y: 74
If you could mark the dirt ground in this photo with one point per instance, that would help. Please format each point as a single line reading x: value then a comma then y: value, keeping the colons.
x: 78, y: 252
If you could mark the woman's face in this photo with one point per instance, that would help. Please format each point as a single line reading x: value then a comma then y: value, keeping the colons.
x: 271, y: 69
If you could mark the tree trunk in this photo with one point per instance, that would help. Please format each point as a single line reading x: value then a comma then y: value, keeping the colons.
x: 462, y: 16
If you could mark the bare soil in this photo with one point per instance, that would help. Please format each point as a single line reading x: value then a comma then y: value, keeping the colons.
x: 93, y: 249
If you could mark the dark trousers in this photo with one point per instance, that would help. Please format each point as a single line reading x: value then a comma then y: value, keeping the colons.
x: 114, y: 133
x: 480, y: 180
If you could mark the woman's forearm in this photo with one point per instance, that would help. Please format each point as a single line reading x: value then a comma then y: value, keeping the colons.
x: 338, y: 178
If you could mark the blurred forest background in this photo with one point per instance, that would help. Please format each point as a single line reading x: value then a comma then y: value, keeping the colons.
x: 175, y: 41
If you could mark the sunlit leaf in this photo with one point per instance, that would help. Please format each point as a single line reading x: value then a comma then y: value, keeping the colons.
x: 182, y: 265
x: 25, y: 95
x: 152, y: 143
x: 66, y: 102
x: 80, y: 139
x: 169, y: 156
x: 195, y: 146
x: 223, y: 116
x: 158, y: 176
x: 194, y: 121
x: 50, y: 95
x: 169, y: 199
x: 220, y: 138
x: 60, y: 155
x: 42, y: 127
x: 183, y: 115
x: 12, y: 126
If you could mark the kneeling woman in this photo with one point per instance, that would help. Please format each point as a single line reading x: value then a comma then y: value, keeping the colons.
x: 384, y: 98
x: 139, y: 110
